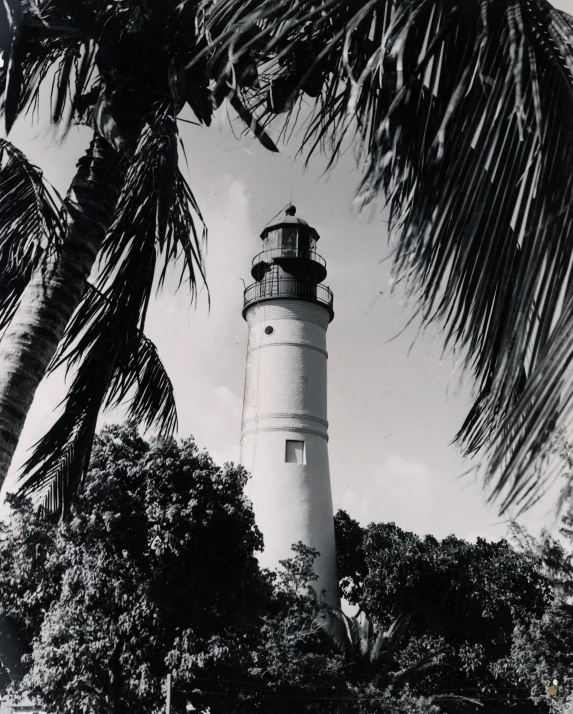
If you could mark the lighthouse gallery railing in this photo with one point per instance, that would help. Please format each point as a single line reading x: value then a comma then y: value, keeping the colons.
x: 288, y: 288
x: 267, y: 256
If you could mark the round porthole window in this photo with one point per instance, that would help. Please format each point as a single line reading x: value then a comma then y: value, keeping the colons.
x: 269, y: 330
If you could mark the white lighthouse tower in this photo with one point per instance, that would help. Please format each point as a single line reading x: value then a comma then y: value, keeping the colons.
x: 284, y: 439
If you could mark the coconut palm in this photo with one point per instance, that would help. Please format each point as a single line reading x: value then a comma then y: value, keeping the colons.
x: 121, y: 69
x: 459, y: 111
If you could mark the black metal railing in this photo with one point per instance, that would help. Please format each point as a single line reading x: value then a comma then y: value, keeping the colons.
x: 288, y: 288
x: 267, y: 256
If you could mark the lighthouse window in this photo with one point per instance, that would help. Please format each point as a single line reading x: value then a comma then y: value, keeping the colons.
x: 289, y: 241
x: 303, y: 244
x: 272, y: 240
x: 295, y: 452
x: 269, y: 330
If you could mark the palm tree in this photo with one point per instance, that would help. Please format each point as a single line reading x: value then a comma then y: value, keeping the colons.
x: 373, y: 653
x: 372, y: 650
x: 121, y: 68
x: 459, y: 111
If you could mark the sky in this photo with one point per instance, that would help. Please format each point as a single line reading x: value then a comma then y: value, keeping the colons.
x: 395, y: 401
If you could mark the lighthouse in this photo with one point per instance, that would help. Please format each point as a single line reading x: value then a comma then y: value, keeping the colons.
x: 284, y: 432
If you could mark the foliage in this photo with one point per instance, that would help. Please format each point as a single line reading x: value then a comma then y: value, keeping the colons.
x: 542, y: 650
x: 30, y: 225
x: 156, y: 572
x: 302, y: 661
x: 476, y: 197
x: 109, y: 66
x: 466, y: 600
x: 455, y: 109
x: 541, y: 653
x: 161, y: 549
x: 156, y: 207
x: 123, y: 69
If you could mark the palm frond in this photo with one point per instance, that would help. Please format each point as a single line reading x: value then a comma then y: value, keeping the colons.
x: 112, y: 366
x: 103, y: 342
x: 177, y: 211
x: 457, y: 702
x: 152, y: 401
x: 31, y: 225
x: 459, y: 110
x: 44, y: 43
x: 60, y: 459
x: 252, y: 124
x: 387, y: 641
x: 11, y: 15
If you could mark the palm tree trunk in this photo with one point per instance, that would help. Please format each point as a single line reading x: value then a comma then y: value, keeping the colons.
x: 31, y: 339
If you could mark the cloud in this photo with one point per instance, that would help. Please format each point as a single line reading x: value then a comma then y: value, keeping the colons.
x: 411, y: 470
x: 402, y: 491
x: 407, y: 492
x: 229, y: 400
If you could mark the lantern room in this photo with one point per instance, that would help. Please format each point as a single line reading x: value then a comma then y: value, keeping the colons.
x: 289, y: 266
x: 290, y: 244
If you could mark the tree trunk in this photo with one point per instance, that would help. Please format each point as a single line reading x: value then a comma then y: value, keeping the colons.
x: 114, y: 683
x: 31, y: 339
x: 11, y: 649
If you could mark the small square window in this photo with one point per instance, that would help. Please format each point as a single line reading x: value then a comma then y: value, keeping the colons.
x: 295, y: 452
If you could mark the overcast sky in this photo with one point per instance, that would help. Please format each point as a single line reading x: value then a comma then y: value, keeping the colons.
x: 394, y: 405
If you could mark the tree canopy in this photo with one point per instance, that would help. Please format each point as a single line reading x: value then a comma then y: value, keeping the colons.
x: 470, y: 598
x: 156, y: 572
x: 161, y: 549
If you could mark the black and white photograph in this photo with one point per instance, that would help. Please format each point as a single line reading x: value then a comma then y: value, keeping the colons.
x: 286, y: 356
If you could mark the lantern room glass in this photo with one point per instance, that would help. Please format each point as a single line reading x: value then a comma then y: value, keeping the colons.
x: 289, y: 242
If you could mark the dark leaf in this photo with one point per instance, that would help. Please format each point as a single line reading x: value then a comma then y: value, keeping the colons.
x: 197, y: 93
x: 31, y: 227
x: 253, y: 124
x: 104, y: 347
x: 282, y: 94
x: 459, y: 113
x: 12, y: 60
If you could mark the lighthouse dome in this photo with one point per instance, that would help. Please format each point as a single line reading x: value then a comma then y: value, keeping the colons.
x: 289, y: 221
x: 290, y: 216
x: 294, y: 219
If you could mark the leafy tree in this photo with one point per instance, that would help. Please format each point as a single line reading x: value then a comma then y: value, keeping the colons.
x: 300, y: 663
x: 156, y: 572
x: 542, y: 651
x: 160, y: 549
x: 466, y: 598
x: 458, y: 112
